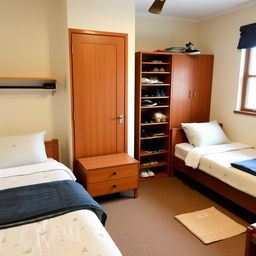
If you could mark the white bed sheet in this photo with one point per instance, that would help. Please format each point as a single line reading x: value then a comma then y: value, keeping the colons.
x: 218, y: 166
x: 77, y: 233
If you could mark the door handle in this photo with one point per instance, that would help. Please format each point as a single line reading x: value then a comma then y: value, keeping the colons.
x: 194, y: 94
x: 189, y: 94
x: 120, y: 119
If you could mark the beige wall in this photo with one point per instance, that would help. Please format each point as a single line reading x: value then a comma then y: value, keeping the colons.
x: 159, y: 33
x: 112, y: 16
x: 34, y: 44
x: 24, y: 51
x: 220, y: 36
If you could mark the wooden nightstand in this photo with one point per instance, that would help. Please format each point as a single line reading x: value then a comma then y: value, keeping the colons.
x: 107, y: 174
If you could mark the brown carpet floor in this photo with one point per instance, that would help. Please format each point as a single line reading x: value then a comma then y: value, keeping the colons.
x: 146, y: 226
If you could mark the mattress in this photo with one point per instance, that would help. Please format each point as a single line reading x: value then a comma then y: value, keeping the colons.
x: 218, y: 166
x: 75, y: 233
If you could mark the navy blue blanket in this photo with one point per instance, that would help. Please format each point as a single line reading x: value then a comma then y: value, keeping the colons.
x: 23, y: 205
x: 247, y: 166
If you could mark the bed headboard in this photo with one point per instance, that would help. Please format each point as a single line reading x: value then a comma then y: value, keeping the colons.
x: 177, y: 136
x: 52, y: 149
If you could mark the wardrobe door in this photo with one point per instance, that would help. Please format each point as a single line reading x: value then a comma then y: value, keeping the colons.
x: 181, y: 89
x: 202, y: 84
x: 99, y: 85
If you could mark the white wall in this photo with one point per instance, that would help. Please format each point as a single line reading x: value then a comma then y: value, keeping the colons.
x: 111, y: 16
x: 220, y: 36
x: 159, y: 33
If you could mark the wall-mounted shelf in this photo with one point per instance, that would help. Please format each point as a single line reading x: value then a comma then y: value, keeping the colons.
x: 29, y: 83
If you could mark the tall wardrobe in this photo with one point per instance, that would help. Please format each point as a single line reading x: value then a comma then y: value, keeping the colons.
x: 191, y: 88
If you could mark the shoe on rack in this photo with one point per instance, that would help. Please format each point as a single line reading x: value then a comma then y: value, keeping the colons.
x: 145, y: 80
x: 153, y: 161
x: 148, y: 103
x: 162, y: 93
x: 155, y: 69
x: 158, y: 93
x: 144, y: 93
x: 144, y: 174
x: 155, y: 80
x: 144, y: 134
x: 157, y: 61
x: 162, y: 70
x: 150, y: 173
x: 158, y: 133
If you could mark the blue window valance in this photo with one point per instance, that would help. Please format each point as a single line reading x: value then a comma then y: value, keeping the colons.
x: 247, y: 36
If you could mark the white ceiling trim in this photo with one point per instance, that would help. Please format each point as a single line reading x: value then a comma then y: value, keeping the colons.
x: 242, y: 6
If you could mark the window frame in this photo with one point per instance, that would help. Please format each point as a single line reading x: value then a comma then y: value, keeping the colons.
x: 246, y: 77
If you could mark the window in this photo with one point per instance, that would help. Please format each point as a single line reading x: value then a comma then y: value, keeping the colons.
x: 248, y: 101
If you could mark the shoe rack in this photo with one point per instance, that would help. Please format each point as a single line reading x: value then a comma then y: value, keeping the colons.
x: 152, y: 113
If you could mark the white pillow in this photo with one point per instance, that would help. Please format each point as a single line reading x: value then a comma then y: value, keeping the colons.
x: 204, y: 134
x: 22, y: 150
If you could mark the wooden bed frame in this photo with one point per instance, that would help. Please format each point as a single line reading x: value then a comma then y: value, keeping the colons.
x: 52, y: 149
x: 246, y: 201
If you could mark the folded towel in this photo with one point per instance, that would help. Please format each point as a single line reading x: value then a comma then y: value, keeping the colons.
x: 248, y: 166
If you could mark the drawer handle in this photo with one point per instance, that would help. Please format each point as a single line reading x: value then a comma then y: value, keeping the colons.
x: 114, y: 186
x: 114, y: 173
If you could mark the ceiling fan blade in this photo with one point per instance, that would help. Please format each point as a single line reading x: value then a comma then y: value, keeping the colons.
x: 157, y: 6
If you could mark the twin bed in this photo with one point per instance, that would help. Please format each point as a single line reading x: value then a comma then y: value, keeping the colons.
x: 210, y: 166
x: 76, y: 232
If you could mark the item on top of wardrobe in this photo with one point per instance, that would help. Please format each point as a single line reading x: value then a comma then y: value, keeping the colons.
x: 159, y: 50
x: 159, y: 117
x: 191, y: 49
x: 175, y: 49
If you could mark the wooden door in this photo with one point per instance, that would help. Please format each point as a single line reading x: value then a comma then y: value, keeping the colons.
x: 202, y: 84
x: 181, y: 91
x: 99, y: 93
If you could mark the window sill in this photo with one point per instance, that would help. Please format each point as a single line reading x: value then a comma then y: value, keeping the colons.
x: 245, y: 112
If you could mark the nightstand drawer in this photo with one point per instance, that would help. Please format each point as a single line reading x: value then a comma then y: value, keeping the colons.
x: 113, y: 186
x: 112, y: 173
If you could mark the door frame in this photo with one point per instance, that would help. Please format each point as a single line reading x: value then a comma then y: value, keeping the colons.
x: 72, y: 31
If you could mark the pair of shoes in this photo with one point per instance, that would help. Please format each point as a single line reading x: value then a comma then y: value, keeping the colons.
x: 190, y: 49
x: 151, y: 80
x: 156, y: 69
x: 155, y: 80
x: 157, y: 133
x: 150, y: 161
x: 145, y: 133
x: 157, y: 61
x: 148, y: 103
x: 160, y: 93
x: 146, y: 121
x: 145, y: 173
x: 159, y: 117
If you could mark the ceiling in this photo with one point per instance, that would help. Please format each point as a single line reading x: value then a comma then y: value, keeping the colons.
x: 193, y: 10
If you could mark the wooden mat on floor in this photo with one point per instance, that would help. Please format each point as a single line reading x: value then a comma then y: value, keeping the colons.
x: 210, y: 225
